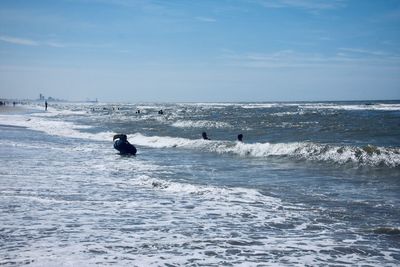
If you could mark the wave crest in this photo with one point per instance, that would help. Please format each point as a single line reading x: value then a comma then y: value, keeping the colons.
x: 201, y: 124
x: 362, y: 156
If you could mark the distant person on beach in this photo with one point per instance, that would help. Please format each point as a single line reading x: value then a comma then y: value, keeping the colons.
x: 204, y: 135
x: 45, y: 105
x: 14, y: 103
x: 240, y: 137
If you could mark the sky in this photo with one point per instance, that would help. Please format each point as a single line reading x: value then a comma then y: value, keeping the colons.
x: 203, y: 50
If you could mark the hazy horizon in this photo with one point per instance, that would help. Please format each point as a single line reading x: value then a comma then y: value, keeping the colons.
x: 208, y: 51
x: 100, y: 101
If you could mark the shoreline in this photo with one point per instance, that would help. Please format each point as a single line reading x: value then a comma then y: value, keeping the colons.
x: 12, y: 110
x: 18, y: 110
x: 7, y: 112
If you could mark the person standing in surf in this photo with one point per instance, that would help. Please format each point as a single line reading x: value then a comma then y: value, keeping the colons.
x: 123, y: 146
x: 204, y: 135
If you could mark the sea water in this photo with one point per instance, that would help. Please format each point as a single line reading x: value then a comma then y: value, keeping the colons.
x: 313, y: 184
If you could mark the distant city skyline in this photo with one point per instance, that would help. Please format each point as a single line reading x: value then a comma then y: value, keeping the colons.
x: 244, y: 50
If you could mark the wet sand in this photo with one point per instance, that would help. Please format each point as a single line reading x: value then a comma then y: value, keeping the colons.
x: 12, y: 110
x: 20, y: 109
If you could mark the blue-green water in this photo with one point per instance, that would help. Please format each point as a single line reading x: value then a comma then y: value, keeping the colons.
x: 312, y: 184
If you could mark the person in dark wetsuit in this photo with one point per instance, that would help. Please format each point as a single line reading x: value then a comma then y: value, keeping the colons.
x: 240, y: 137
x: 204, y: 135
x: 45, y: 105
x: 123, y: 146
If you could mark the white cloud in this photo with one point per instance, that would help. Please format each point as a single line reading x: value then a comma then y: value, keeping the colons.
x: 28, y: 42
x: 303, y: 4
x: 18, y: 41
x: 363, y: 51
x: 55, y: 44
x: 292, y: 59
x: 206, y: 19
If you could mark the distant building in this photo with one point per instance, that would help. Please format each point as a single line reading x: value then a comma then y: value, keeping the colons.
x: 50, y: 98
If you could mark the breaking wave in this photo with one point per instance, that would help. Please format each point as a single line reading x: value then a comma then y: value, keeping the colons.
x: 362, y: 156
x: 367, y: 106
x: 201, y: 124
x: 371, y: 156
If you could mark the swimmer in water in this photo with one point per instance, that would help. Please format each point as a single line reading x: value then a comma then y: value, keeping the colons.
x: 240, y: 137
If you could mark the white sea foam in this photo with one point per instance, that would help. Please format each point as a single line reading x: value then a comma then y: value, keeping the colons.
x: 368, y: 106
x: 281, y: 114
x: 368, y: 156
x: 52, y: 112
x: 109, y: 210
x: 235, y: 194
x: 382, y: 107
x: 238, y: 104
x: 260, y: 105
x: 201, y: 124
x: 211, y: 104
x: 167, y: 142
x: 53, y: 127
x: 362, y: 156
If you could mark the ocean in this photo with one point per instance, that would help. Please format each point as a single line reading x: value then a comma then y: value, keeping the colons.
x: 312, y: 184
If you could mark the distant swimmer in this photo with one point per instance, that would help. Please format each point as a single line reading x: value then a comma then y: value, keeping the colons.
x: 123, y: 146
x: 161, y: 112
x: 138, y: 111
x: 204, y: 135
x: 240, y: 137
x: 45, y: 105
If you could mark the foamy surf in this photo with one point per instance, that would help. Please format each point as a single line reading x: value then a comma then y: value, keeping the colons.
x: 204, y: 124
x: 372, y: 156
x: 361, y: 156
x: 70, y: 199
x: 368, y: 106
x: 44, y: 122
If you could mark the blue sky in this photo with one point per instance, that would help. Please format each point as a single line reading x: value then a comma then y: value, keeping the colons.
x: 208, y: 50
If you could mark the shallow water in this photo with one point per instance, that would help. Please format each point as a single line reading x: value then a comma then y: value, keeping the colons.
x: 313, y: 184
